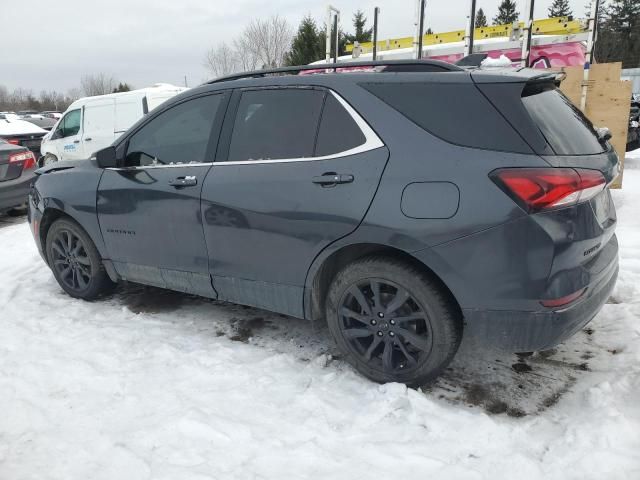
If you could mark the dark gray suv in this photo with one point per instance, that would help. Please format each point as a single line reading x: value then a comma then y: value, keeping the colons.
x: 408, y: 203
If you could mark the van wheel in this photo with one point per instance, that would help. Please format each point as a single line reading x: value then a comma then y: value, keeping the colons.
x: 48, y: 160
x: 392, y: 322
x: 75, y: 261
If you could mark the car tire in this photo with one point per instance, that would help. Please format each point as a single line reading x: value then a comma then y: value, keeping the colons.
x: 48, y: 159
x: 75, y: 261
x: 407, y: 314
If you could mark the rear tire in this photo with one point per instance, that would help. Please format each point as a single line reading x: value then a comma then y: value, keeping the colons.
x: 392, y: 322
x: 75, y: 261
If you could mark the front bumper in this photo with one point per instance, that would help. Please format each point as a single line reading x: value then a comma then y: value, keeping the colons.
x: 14, y: 193
x: 518, y: 331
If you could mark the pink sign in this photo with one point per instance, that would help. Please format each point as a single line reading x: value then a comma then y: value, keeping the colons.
x: 542, y: 56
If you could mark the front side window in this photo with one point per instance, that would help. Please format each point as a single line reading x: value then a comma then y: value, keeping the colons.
x: 276, y: 124
x: 69, y: 125
x: 178, y: 135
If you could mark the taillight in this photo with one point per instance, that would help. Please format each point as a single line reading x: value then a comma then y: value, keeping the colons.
x: 536, y: 189
x: 28, y: 158
x: 567, y: 299
x: 13, y: 141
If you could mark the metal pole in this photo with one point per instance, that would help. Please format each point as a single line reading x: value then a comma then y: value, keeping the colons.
x: 526, y: 36
x: 589, y: 54
x: 416, y: 34
x: 471, y: 27
x: 421, y: 27
x: 335, y: 26
x: 375, y: 31
x: 327, y: 27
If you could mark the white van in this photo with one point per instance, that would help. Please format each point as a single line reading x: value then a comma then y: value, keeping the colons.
x: 92, y: 123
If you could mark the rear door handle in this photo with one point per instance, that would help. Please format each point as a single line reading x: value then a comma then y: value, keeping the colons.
x: 328, y: 179
x: 181, y: 182
x: 87, y: 139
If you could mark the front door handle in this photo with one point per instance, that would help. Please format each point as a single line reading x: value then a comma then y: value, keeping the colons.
x: 88, y: 139
x: 330, y: 179
x: 181, y: 182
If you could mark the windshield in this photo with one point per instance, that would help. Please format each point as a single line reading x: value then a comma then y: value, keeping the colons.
x: 565, y: 128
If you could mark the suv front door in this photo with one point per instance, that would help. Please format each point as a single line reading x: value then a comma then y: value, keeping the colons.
x: 149, y: 210
x: 297, y: 170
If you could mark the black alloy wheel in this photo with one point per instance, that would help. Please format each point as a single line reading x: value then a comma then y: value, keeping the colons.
x: 70, y: 260
x: 393, y: 321
x: 75, y: 260
x: 385, y: 325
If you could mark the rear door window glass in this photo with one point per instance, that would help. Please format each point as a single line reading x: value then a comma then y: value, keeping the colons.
x: 457, y: 113
x: 178, y: 135
x: 565, y: 128
x: 338, y: 130
x: 276, y: 124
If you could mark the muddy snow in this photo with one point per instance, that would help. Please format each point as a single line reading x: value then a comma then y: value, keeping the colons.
x: 150, y: 384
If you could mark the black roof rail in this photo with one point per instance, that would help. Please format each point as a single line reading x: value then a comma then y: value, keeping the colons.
x: 389, y: 66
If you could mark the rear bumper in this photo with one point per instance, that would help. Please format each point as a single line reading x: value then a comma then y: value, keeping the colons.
x: 519, y: 331
x: 14, y: 193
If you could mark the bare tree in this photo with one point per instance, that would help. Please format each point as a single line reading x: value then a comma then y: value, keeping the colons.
x: 98, y: 84
x: 222, y: 60
x: 268, y: 40
x: 262, y: 44
x: 245, y: 56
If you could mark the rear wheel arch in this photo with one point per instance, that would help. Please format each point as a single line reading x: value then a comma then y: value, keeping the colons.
x: 321, y: 277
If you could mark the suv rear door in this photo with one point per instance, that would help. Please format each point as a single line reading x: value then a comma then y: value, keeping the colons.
x: 297, y: 170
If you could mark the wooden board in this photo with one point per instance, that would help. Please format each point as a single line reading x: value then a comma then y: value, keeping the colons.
x: 607, y: 102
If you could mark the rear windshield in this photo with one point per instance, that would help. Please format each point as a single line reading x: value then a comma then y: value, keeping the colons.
x: 566, y: 129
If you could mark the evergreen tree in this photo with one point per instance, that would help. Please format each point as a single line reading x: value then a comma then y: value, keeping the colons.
x: 429, y: 31
x: 122, y: 87
x: 507, y: 13
x: 560, y: 8
x: 359, y: 21
x: 307, y: 46
x: 619, y: 33
x: 481, y: 18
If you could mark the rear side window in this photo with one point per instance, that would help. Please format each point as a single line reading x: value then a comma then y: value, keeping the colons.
x: 565, y: 128
x: 457, y: 113
x: 338, y: 131
x: 178, y: 135
x: 276, y: 124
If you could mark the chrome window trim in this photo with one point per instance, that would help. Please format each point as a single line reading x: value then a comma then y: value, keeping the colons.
x: 372, y: 142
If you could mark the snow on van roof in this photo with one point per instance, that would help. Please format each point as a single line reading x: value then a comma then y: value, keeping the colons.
x: 155, y: 88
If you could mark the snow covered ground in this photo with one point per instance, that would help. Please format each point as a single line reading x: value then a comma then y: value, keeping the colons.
x: 151, y: 384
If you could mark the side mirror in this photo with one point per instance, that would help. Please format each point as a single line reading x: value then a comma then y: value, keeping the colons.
x: 106, y: 158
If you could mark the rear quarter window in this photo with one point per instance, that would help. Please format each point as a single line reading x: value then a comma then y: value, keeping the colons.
x: 566, y: 129
x: 457, y: 113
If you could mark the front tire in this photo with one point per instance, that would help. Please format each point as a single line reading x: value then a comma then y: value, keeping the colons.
x: 48, y: 159
x: 75, y: 261
x: 392, y: 322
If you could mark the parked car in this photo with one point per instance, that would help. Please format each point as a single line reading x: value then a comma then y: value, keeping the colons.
x: 633, y: 133
x: 20, y: 132
x: 17, y: 165
x: 41, y: 121
x: 409, y: 206
x: 92, y: 123
x: 25, y: 113
x: 54, y: 115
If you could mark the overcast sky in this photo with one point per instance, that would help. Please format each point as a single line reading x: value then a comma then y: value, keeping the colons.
x: 49, y: 45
